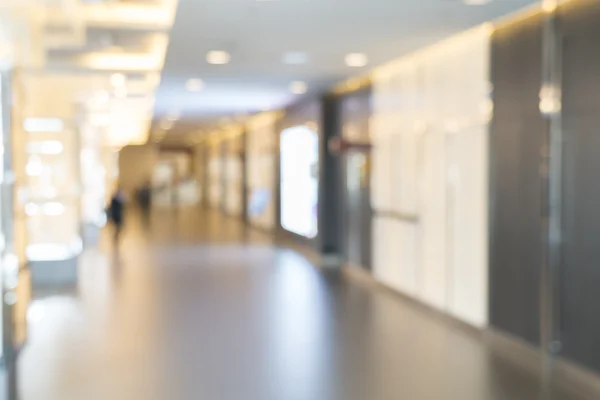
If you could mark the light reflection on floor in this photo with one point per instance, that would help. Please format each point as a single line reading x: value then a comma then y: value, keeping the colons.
x: 199, y: 308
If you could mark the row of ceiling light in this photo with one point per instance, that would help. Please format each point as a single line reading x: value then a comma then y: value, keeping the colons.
x: 221, y: 57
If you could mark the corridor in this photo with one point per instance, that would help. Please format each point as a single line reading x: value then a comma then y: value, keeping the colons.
x: 201, y: 308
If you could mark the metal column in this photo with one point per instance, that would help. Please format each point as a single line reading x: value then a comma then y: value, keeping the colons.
x: 552, y: 171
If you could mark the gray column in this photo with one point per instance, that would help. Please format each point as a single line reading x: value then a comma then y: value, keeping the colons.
x: 329, y: 186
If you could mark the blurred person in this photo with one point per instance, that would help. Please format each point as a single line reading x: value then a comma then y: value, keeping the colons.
x: 116, y: 213
x: 144, y: 198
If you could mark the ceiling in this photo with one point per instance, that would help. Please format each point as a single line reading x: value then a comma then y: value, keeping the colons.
x: 68, y: 52
x: 258, y: 33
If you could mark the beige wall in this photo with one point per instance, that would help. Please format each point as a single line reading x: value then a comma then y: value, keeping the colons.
x: 136, y: 165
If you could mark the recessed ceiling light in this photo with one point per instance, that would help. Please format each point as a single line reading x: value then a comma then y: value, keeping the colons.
x: 295, y: 58
x: 298, y: 87
x: 356, y: 60
x: 218, y: 57
x: 117, y: 80
x: 194, y: 85
x: 476, y: 2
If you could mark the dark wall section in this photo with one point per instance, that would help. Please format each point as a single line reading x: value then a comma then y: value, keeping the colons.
x: 517, y: 139
x: 580, y: 272
x: 330, y: 186
x: 355, y: 112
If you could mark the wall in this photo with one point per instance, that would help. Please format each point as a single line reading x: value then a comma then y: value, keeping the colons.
x: 200, y: 158
x: 261, y: 174
x: 354, y: 119
x: 215, y: 167
x: 517, y: 138
x: 136, y: 166
x: 580, y: 273
x: 429, y: 181
x: 233, y: 170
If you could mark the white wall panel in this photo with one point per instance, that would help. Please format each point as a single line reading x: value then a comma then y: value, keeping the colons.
x: 381, y: 173
x: 404, y: 169
x: 395, y: 254
x: 468, y: 227
x: 430, y: 116
x: 433, y: 214
x: 404, y: 252
x: 383, y: 265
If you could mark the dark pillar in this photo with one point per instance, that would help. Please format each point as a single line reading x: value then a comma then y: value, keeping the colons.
x: 329, y: 212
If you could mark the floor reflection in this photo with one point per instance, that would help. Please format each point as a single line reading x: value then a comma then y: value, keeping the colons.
x: 199, y: 307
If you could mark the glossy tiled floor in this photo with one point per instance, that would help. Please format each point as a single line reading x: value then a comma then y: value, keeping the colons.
x: 197, y: 308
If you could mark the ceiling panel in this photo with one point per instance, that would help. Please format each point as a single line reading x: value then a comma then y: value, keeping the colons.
x: 258, y: 33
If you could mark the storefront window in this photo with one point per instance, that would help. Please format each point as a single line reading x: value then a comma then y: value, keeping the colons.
x: 299, y: 180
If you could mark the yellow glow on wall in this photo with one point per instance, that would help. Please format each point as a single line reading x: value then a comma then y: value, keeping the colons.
x: 158, y: 17
x: 122, y: 62
x: 127, y: 132
x: 446, y: 46
x: 261, y: 120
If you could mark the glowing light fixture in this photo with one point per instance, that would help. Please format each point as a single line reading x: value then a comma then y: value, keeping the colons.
x: 295, y: 58
x: 194, y: 85
x: 356, y: 60
x: 34, y: 167
x: 549, y: 6
x: 550, y: 100
x: 218, y: 57
x: 476, y: 2
x: 53, y: 209
x: 53, y: 125
x: 117, y: 80
x: 48, y: 147
x: 298, y: 87
x: 32, y: 209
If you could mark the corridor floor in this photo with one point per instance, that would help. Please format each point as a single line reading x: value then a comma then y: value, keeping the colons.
x: 199, y: 308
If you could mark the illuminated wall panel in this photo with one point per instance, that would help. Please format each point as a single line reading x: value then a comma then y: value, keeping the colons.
x: 215, y: 185
x: 430, y: 130
x: 299, y: 180
x: 261, y: 171
x: 233, y: 170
